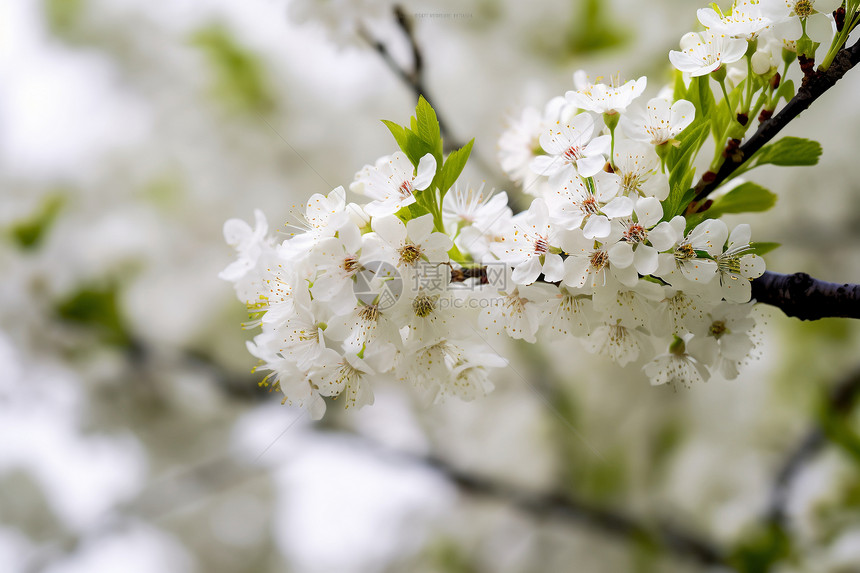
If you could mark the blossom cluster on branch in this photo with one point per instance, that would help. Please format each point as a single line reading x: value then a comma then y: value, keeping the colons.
x: 419, y: 280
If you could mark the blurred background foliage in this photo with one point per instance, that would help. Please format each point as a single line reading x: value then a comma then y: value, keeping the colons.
x: 134, y: 435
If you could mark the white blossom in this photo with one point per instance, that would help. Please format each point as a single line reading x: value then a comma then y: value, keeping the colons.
x: 641, y: 240
x: 248, y: 242
x: 638, y: 169
x: 323, y: 216
x: 745, y: 20
x: 513, y: 309
x: 675, y: 367
x: 631, y: 305
x: 723, y: 338
x: 336, y: 260
x: 617, y: 341
x: 391, y: 183
x: 469, y: 206
x: 286, y: 376
x: 453, y: 367
x: 591, y: 205
x: 527, y: 246
x: 569, y: 311
x: 405, y: 245
x: 678, y: 312
x: 788, y: 14
x: 660, y: 122
x: 587, y: 262
x: 519, y: 144
x: 603, y: 98
x: 737, y: 266
x: 707, y: 238
x: 570, y: 149
x: 475, y: 219
x: 349, y: 375
x: 703, y: 53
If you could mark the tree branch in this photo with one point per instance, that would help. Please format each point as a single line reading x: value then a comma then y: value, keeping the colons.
x: 414, y: 78
x: 680, y: 542
x: 806, y: 298
x: 812, y: 88
x: 798, y: 295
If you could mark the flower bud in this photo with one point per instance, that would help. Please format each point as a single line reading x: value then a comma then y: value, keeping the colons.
x: 762, y: 63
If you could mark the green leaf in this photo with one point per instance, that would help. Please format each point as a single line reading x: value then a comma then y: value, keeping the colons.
x: 690, y: 141
x: 702, y: 97
x: 239, y: 76
x: 789, y: 151
x: 416, y: 148
x: 784, y: 91
x: 64, y: 15
x: 746, y: 198
x: 594, y: 28
x: 415, y: 210
x: 422, y: 138
x: 400, y: 133
x: 680, y: 90
x: 30, y: 233
x: 428, y: 127
x: 681, y: 172
x: 453, y: 166
x: 428, y: 123
x: 96, y: 307
x: 720, y: 116
x: 762, y: 247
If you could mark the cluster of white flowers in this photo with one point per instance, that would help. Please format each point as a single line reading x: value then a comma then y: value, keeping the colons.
x: 625, y: 278
x: 418, y: 282
x: 765, y: 27
x: 356, y: 296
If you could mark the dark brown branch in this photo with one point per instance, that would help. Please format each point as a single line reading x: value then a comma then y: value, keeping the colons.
x: 806, y: 298
x: 797, y: 295
x: 812, y: 88
x: 680, y: 542
x: 840, y: 402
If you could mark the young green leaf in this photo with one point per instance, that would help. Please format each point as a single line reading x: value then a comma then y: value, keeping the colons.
x: 453, y: 166
x: 745, y: 198
x: 30, y: 232
x: 720, y: 116
x: 400, y: 133
x: 679, y: 163
x: 428, y: 127
x: 784, y: 91
x: 760, y: 248
x: 416, y: 148
x: 680, y: 89
x: 789, y: 151
x: 702, y: 97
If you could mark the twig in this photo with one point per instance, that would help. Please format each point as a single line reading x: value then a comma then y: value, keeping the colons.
x: 812, y: 88
x: 806, y: 298
x: 413, y: 78
x: 613, y: 523
x: 798, y: 295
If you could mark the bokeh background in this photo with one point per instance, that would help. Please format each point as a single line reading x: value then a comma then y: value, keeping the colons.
x: 133, y: 436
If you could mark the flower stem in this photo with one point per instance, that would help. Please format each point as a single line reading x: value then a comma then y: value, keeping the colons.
x: 722, y: 83
x: 842, y: 37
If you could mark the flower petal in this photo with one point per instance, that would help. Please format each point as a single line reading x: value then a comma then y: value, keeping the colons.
x: 426, y: 172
